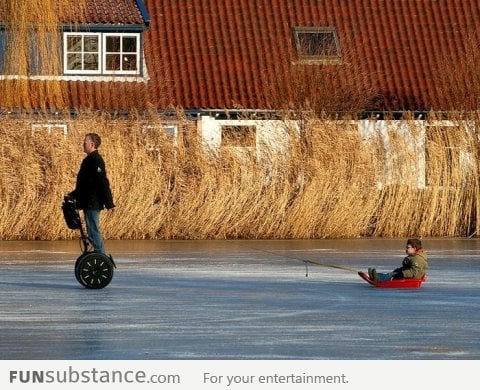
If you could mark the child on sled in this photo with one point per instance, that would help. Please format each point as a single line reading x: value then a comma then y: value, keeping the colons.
x: 414, y: 266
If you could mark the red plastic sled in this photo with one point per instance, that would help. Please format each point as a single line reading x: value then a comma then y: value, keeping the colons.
x: 395, y: 283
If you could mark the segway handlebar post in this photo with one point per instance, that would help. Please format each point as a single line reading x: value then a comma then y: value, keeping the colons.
x: 74, y: 221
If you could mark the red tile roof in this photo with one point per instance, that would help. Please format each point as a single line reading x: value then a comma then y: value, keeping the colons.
x: 233, y: 53
x: 103, y: 11
x: 112, y: 12
x: 221, y: 53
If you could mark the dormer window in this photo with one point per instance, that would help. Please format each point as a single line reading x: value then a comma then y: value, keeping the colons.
x: 317, y: 44
x: 102, y: 53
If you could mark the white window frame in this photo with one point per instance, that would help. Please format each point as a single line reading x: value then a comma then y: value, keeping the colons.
x: 104, y: 53
x: 50, y: 127
x: 65, y: 53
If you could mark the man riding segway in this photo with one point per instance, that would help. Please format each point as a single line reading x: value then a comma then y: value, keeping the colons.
x: 92, y: 193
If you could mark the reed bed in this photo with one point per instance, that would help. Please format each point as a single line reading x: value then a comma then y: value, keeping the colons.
x: 28, y: 54
x: 330, y: 182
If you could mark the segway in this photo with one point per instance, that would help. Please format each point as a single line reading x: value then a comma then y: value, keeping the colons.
x: 93, y: 270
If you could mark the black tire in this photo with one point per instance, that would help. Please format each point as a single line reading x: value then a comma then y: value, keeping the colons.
x: 94, y: 270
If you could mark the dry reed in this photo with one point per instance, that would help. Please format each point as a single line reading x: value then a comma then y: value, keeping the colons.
x: 325, y: 185
x: 33, y: 30
x: 321, y: 88
x: 330, y: 182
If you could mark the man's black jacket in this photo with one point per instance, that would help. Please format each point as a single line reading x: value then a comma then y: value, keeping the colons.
x: 92, y: 191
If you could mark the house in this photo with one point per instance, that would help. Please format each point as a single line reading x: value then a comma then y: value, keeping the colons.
x: 209, y: 55
x: 231, y: 65
x: 231, y: 59
x: 220, y: 55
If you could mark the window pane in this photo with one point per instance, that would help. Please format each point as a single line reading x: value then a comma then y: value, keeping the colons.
x: 91, y: 62
x: 129, y: 62
x: 317, y: 44
x: 113, y: 44
x: 129, y: 44
x: 321, y: 44
x: 74, y: 62
x: 91, y: 44
x: 113, y: 62
x: 74, y: 43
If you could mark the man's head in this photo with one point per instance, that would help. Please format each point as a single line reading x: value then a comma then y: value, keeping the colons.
x: 413, y: 245
x: 91, y: 142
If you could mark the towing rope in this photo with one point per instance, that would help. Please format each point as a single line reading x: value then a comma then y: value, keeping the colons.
x: 326, y: 265
x: 308, y: 261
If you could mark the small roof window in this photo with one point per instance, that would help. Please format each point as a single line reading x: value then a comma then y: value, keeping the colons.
x: 317, y: 44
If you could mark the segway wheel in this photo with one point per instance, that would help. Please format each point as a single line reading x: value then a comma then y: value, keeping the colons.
x: 94, y: 270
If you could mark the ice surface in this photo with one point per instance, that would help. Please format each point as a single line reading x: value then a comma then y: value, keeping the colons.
x: 239, y: 300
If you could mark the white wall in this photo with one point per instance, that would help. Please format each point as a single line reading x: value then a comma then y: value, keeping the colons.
x: 271, y: 133
x: 403, y: 143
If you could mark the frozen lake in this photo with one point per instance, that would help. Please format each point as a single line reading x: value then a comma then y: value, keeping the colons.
x: 239, y: 300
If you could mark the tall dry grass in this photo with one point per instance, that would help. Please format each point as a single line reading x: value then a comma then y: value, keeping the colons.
x: 447, y: 205
x: 325, y: 185
x: 322, y: 88
x: 457, y: 78
x: 33, y: 43
x: 331, y: 182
